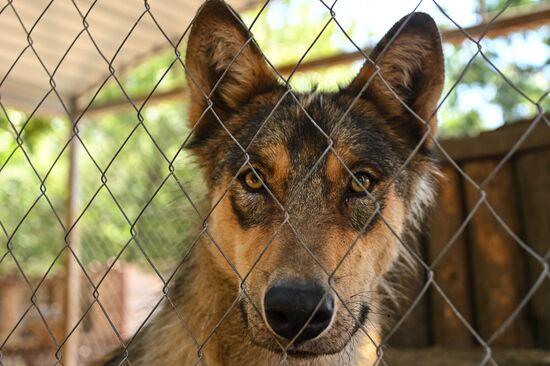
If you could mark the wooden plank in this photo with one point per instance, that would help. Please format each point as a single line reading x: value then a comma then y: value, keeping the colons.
x: 123, y: 105
x: 10, y: 306
x: 498, y: 270
x: 533, y: 177
x: 464, y: 357
x: 498, y: 142
x: 451, y: 272
x: 503, y: 25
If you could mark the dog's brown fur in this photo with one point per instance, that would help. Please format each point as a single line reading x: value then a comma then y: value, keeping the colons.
x: 250, y: 241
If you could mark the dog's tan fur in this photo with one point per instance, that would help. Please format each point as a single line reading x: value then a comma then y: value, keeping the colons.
x: 214, y: 312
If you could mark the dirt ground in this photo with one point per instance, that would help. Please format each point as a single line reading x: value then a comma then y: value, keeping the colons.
x: 467, y: 357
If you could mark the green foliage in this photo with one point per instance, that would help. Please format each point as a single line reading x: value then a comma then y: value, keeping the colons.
x: 160, y: 73
x: 496, y: 5
x: 504, y: 96
x: 27, y: 215
x: 137, y: 177
x: 287, y: 42
x: 142, y: 196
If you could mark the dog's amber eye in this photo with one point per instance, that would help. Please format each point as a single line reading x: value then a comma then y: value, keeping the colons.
x: 363, y: 183
x: 251, y: 180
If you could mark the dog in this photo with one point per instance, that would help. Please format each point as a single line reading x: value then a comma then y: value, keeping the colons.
x: 311, y: 196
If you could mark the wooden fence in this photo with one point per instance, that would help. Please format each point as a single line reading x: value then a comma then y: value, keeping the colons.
x: 485, y: 273
x: 127, y: 295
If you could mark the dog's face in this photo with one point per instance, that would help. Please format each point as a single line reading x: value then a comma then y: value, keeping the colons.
x: 311, y: 192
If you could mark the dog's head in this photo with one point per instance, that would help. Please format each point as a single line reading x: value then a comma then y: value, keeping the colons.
x: 311, y: 193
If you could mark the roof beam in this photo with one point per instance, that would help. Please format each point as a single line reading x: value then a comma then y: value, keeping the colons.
x: 536, y: 17
x: 502, y: 26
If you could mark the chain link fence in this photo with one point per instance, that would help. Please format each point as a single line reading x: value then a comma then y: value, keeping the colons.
x: 125, y: 208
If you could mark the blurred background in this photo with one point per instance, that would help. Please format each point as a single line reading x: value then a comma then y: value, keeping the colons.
x: 93, y: 121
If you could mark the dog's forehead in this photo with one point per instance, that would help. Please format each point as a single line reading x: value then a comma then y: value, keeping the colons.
x: 309, y: 126
x: 301, y: 121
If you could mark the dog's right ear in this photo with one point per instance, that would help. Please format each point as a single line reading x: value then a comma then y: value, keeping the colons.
x: 224, y: 65
x: 411, y: 73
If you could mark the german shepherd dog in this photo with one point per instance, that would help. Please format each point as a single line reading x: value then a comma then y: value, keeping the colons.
x: 311, y: 195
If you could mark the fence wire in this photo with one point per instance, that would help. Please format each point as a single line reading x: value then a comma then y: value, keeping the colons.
x: 141, y: 212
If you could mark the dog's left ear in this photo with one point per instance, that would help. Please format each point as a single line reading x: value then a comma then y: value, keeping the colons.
x: 411, y: 62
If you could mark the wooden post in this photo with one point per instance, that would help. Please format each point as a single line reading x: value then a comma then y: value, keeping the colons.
x: 10, y: 305
x: 72, y: 269
x: 451, y: 272
x: 533, y: 177
x: 497, y: 258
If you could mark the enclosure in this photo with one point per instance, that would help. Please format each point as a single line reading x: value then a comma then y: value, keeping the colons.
x: 100, y: 201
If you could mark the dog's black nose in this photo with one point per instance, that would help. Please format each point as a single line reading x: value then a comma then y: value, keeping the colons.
x: 289, y: 306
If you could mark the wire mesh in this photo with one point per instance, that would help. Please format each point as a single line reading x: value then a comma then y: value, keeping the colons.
x: 141, y: 173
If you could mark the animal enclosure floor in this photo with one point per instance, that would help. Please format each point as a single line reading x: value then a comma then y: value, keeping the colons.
x: 465, y: 357
x: 392, y: 357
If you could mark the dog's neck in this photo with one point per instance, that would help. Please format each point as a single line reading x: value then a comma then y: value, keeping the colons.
x: 201, y: 316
